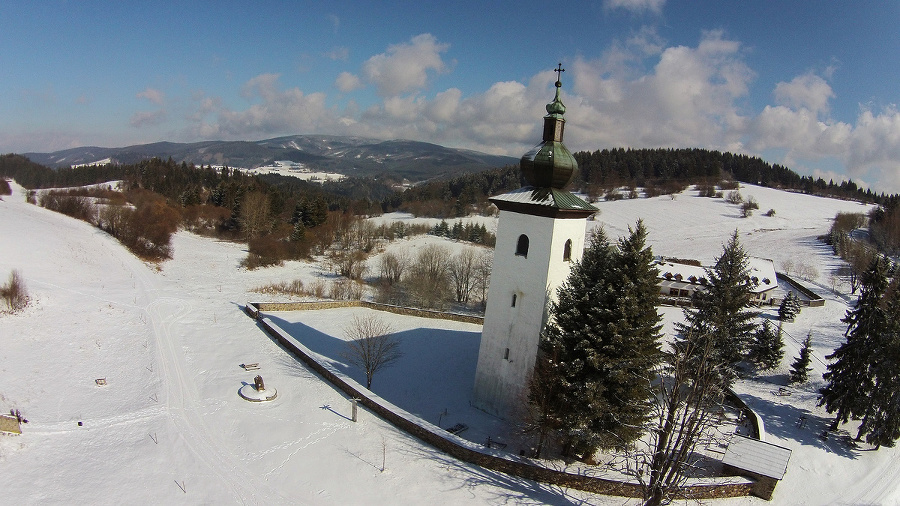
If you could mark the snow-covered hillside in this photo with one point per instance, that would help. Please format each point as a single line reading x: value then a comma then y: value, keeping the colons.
x: 169, y: 426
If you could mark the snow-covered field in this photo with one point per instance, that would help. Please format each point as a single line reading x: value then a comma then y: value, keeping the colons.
x: 293, y: 169
x: 169, y: 426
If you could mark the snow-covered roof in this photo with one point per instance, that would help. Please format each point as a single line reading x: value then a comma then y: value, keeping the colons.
x: 686, y: 273
x: 757, y: 457
x: 550, y: 197
x: 761, y: 272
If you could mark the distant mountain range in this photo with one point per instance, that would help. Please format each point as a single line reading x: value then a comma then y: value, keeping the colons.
x: 351, y: 156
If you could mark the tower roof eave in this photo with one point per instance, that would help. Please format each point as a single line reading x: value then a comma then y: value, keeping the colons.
x: 548, y: 202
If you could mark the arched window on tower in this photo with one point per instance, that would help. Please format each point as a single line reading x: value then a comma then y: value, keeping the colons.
x: 522, y: 246
x: 567, y: 251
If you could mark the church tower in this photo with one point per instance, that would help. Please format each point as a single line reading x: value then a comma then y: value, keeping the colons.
x: 540, y: 233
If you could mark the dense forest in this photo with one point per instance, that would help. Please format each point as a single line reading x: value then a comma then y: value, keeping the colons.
x: 603, y: 174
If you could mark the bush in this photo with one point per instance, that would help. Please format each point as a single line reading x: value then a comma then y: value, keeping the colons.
x: 204, y: 219
x: 344, y: 289
x: 612, y: 195
x: 770, y: 213
x: 706, y: 190
x: 75, y: 206
x: 748, y: 207
x: 317, y: 288
x: 294, y: 287
x: 14, y: 292
x: 729, y: 185
x: 272, y: 249
x: 153, y: 224
x: 265, y: 251
x: 5, y: 189
x: 734, y: 197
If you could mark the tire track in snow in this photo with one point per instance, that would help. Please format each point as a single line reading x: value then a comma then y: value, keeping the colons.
x: 96, y: 423
x: 181, y: 403
x: 877, y: 488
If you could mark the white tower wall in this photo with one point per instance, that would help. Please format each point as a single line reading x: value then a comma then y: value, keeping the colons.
x: 509, y: 340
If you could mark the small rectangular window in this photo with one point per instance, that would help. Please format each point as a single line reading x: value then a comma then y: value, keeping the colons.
x: 506, y: 354
x: 514, y: 300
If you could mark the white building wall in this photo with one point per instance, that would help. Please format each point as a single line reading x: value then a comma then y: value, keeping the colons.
x: 509, y: 339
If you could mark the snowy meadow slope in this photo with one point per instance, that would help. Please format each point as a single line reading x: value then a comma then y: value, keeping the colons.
x: 169, y: 426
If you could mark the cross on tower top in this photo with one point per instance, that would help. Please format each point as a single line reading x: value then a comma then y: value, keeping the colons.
x: 559, y: 70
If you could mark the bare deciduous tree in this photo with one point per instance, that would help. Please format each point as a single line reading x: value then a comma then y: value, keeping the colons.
x: 687, y: 400
x: 429, y: 284
x: 350, y: 263
x: 807, y: 272
x: 255, y: 216
x: 392, y: 265
x: 345, y: 289
x: 363, y: 234
x: 371, y: 345
x: 787, y: 266
x: 483, y: 274
x: 859, y: 256
x: 462, y: 274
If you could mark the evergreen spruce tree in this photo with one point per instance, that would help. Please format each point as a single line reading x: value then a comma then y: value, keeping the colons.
x: 299, y: 231
x: 789, y: 308
x: 442, y: 229
x: 766, y: 349
x: 297, y: 215
x: 850, y: 376
x: 800, y: 368
x: 881, y: 420
x: 456, y: 232
x: 602, y: 343
x: 721, y: 312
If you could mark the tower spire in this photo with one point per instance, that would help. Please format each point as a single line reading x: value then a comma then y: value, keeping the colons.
x: 550, y: 164
x: 557, y: 107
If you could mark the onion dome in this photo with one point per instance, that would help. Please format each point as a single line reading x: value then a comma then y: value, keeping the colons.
x: 550, y: 164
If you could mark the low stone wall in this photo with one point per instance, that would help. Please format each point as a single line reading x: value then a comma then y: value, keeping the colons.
x: 756, y: 421
x: 332, y: 304
x: 813, y: 300
x: 470, y: 452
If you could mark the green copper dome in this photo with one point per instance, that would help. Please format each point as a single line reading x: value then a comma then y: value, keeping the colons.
x: 550, y: 164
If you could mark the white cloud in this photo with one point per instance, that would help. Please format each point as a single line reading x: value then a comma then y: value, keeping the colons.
x: 868, y: 148
x: 347, y: 82
x: 147, y: 118
x: 338, y: 54
x: 46, y: 140
x: 808, y: 91
x: 636, y: 5
x: 405, y: 67
x: 279, y: 112
x: 641, y: 93
x: 153, y: 95
x: 689, y: 95
x: 444, y: 106
x: 335, y: 22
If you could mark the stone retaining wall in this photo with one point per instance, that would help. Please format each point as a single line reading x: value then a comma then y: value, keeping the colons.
x: 332, y: 304
x: 813, y: 300
x: 466, y: 450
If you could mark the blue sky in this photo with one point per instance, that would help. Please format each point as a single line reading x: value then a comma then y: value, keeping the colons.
x: 812, y: 85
